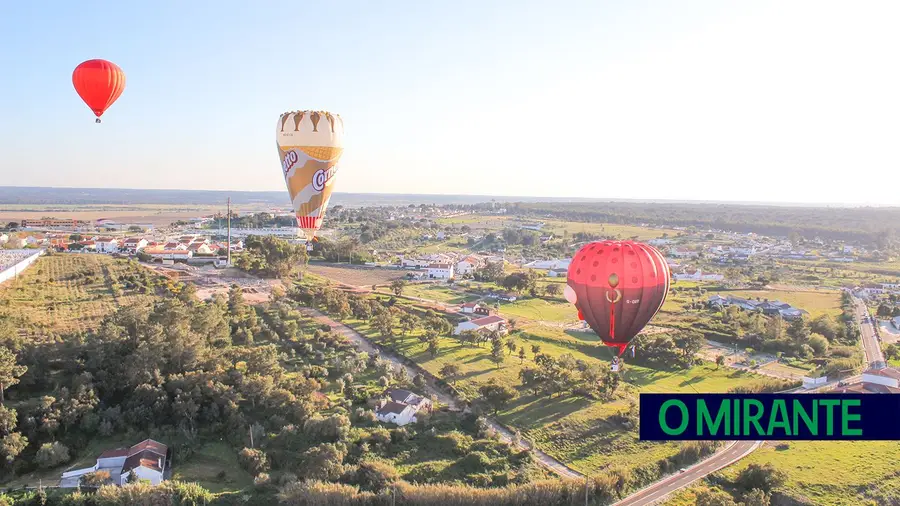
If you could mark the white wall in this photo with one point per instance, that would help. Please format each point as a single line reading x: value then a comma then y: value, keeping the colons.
x: 880, y: 380
x: 13, y: 270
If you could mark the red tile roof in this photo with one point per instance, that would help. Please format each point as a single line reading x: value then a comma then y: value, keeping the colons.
x: 439, y: 266
x: 886, y: 372
x: 109, y: 454
x: 487, y: 320
x: 151, y: 445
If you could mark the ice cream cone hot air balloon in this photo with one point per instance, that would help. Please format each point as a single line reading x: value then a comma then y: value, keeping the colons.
x: 310, y: 144
x: 617, y: 287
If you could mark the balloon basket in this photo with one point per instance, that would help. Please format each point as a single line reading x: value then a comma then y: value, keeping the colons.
x: 97, y: 120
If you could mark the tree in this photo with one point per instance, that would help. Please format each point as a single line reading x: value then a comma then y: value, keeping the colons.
x: 720, y: 361
x: 552, y: 289
x: 765, y: 477
x: 253, y: 460
x: 433, y: 347
x: 497, y: 352
x: 51, y: 455
x: 511, y: 345
x: 12, y: 445
x: 535, y: 349
x: 521, y: 354
x: 397, y: 287
x: 384, y: 322
x: 496, y: 396
x: 714, y: 497
x: 757, y: 497
x: 96, y: 479
x: 375, y: 475
x: 10, y: 371
x: 449, y: 371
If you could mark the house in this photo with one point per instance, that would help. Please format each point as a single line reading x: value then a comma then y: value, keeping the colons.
x: 200, y: 248
x: 148, y: 460
x: 88, y: 245
x: 134, y: 244
x: 896, y: 322
x: 107, y: 245
x: 469, y: 307
x: 792, y: 313
x: 558, y: 264
x: 415, y: 263
x: 468, y: 265
x: 484, y: 310
x: 440, y: 271
x: 697, y: 275
x: 401, y: 406
x: 505, y: 297
x: 558, y: 273
x: 532, y: 226
x: 887, y: 376
x: 486, y: 323
x: 169, y: 254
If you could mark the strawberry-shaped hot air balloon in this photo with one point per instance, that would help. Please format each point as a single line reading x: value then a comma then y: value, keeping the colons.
x: 99, y: 83
x: 617, y: 286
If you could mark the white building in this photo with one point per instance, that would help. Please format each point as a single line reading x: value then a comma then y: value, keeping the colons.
x: 556, y: 264
x: 107, y: 245
x: 4, y: 238
x: 697, y: 275
x: 468, y: 265
x: 401, y: 407
x: 134, y: 244
x: 147, y: 460
x: 440, y: 271
x: 414, y: 263
x: 888, y: 377
x: 896, y: 322
x: 469, y: 307
x: 487, y: 324
x: 169, y: 254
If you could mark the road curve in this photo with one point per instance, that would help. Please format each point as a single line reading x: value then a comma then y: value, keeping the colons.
x: 364, y: 344
x: 730, y: 454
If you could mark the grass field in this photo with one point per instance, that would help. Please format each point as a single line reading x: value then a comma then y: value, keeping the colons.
x: 540, y: 309
x: 437, y: 293
x: 355, y: 275
x: 67, y: 292
x: 815, y: 302
x: 215, y: 466
x: 834, y: 472
x: 607, y: 229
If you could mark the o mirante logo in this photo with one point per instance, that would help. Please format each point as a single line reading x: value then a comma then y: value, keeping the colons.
x: 769, y: 416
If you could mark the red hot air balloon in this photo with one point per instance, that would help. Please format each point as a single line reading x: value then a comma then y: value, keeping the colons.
x: 617, y: 286
x: 99, y: 83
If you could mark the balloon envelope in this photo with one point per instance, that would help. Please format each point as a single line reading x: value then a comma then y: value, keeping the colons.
x: 618, y: 286
x: 310, y: 144
x: 99, y: 83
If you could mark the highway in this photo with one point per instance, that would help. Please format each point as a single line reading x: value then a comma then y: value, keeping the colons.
x: 870, y: 344
x: 731, y: 454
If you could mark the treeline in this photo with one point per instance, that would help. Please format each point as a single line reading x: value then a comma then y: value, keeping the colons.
x: 269, y: 256
x: 874, y: 225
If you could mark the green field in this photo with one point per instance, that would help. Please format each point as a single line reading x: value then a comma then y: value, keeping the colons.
x: 69, y: 292
x: 437, y: 293
x: 540, y: 310
x: 834, y: 472
x: 215, y: 466
x: 815, y: 302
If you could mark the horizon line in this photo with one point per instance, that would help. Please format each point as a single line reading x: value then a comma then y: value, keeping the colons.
x: 507, y: 198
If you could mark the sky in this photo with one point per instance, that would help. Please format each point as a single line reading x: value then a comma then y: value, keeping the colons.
x: 764, y: 101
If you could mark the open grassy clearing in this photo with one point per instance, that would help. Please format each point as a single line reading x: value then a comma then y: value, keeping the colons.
x: 438, y: 293
x: 69, y: 292
x: 541, y: 310
x: 606, y: 229
x: 834, y: 472
x: 215, y: 466
x: 355, y: 275
x: 815, y: 302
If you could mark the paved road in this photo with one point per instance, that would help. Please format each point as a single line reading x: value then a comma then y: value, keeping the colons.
x: 871, y: 346
x: 363, y: 344
x: 731, y: 454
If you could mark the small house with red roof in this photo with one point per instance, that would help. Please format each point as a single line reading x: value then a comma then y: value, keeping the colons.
x: 147, y: 461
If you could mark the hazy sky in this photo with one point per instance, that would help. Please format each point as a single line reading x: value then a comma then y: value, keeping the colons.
x: 716, y: 100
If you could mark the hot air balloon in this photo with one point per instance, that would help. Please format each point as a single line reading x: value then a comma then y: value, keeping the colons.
x: 310, y: 144
x: 99, y: 83
x: 617, y: 287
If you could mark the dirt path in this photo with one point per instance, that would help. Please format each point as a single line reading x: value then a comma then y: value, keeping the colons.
x: 363, y: 344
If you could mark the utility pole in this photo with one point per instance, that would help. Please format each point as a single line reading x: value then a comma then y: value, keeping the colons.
x: 228, y: 248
